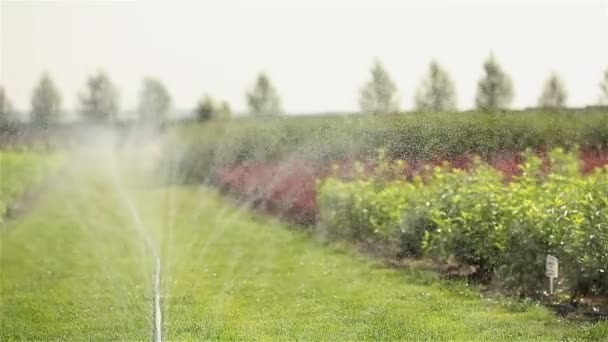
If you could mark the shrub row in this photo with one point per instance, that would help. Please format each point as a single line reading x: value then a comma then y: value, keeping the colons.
x: 288, y: 187
x: 503, y: 228
x: 323, y: 140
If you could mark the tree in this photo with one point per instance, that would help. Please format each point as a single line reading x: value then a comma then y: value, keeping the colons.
x: 99, y: 101
x: 154, y: 101
x: 495, y: 89
x: 604, y: 89
x: 554, y: 94
x: 224, y: 110
x: 6, y: 109
x: 436, y: 92
x: 46, y: 102
x: 379, y: 95
x: 263, y: 99
x: 210, y: 109
x: 205, y: 109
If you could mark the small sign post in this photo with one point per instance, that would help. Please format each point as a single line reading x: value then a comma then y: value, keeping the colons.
x: 551, y: 267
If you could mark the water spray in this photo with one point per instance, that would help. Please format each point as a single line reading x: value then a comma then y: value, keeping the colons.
x: 158, y: 320
x: 152, y: 247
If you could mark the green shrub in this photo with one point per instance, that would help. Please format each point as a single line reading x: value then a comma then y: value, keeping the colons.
x: 475, y: 217
x: 323, y: 140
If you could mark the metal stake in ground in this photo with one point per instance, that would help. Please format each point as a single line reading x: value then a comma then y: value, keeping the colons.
x: 551, y: 266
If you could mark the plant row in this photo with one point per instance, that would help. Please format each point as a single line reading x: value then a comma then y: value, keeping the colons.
x: 288, y: 187
x: 320, y: 141
x: 503, y: 229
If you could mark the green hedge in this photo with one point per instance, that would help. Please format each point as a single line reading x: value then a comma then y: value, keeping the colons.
x: 476, y: 218
x: 197, y: 148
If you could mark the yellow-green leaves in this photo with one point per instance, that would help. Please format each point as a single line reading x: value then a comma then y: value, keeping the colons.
x: 477, y: 218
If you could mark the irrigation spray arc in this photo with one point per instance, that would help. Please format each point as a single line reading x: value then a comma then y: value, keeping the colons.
x: 158, y: 319
x: 152, y: 247
x: 151, y: 244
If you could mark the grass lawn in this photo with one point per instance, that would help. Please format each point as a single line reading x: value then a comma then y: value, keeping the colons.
x: 18, y: 171
x: 233, y: 275
x: 74, y: 267
x: 78, y: 266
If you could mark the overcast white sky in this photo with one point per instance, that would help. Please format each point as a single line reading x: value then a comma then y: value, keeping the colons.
x: 317, y: 52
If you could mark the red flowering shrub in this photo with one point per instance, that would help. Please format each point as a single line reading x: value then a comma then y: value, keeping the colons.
x: 593, y: 159
x: 288, y: 188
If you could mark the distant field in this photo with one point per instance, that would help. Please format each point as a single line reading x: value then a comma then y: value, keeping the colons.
x: 79, y: 266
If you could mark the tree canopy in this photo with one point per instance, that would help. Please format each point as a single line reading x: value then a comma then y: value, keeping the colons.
x: 604, y: 89
x: 494, y: 89
x: 99, y: 101
x: 379, y: 94
x: 210, y: 109
x: 46, y: 102
x: 263, y: 99
x: 154, y: 101
x: 6, y: 108
x: 554, y: 93
x: 436, y: 92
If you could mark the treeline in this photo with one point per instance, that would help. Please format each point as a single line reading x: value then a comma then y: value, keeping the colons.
x: 437, y: 93
x: 99, y: 100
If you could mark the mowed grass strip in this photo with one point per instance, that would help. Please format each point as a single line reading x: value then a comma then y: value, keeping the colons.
x: 233, y: 275
x: 75, y: 267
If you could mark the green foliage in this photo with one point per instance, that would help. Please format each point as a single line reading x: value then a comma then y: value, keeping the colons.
x: 99, y: 101
x: 210, y: 109
x: 154, y: 101
x: 46, y: 102
x: 495, y: 88
x: 5, y: 104
x: 379, y: 94
x: 323, y: 140
x: 604, y: 89
x: 436, y: 92
x: 504, y: 229
x: 6, y: 108
x: 263, y: 99
x: 554, y: 93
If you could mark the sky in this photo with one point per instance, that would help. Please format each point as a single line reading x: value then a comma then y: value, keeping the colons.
x: 318, y: 53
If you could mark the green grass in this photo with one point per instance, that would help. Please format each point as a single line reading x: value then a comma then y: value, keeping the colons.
x: 77, y: 267
x: 20, y: 171
x: 232, y: 275
x: 74, y: 268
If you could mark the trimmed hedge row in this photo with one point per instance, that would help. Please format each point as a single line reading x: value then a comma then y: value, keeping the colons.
x: 503, y: 228
x: 200, y: 148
